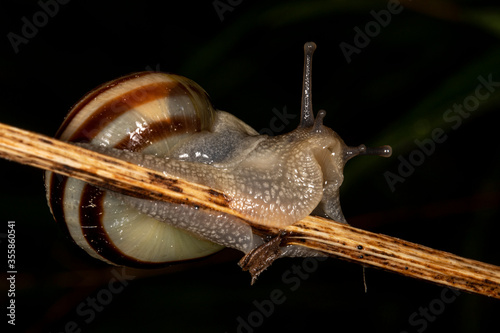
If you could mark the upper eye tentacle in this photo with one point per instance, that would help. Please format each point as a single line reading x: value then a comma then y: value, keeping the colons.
x: 307, y: 115
x: 350, y: 152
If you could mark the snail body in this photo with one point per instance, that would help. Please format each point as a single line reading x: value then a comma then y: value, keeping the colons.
x: 167, y: 123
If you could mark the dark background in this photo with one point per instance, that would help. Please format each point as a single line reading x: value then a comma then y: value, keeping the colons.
x: 395, y: 91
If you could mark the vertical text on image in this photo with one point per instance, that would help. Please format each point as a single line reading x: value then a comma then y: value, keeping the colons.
x: 11, y: 271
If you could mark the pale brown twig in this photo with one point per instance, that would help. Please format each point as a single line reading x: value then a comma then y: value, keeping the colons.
x: 332, y: 238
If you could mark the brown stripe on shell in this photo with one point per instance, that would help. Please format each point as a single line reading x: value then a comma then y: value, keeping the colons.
x: 91, y: 214
x: 118, y: 106
x: 158, y: 131
x: 92, y: 95
x: 91, y: 223
x: 56, y: 197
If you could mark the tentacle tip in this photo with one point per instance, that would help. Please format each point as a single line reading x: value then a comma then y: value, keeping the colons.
x: 309, y: 47
x: 386, y: 151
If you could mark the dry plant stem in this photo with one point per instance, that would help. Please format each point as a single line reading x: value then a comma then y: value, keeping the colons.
x: 395, y: 255
x: 103, y: 171
x: 332, y: 238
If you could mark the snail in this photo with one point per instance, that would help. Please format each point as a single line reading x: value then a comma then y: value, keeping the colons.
x: 167, y: 122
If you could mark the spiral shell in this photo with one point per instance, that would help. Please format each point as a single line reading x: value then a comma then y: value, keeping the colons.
x: 146, y: 112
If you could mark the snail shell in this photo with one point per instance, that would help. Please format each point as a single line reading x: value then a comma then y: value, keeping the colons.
x: 167, y: 123
x: 147, y: 113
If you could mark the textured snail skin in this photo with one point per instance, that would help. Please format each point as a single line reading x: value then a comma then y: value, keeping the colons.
x: 277, y: 180
x: 167, y: 123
